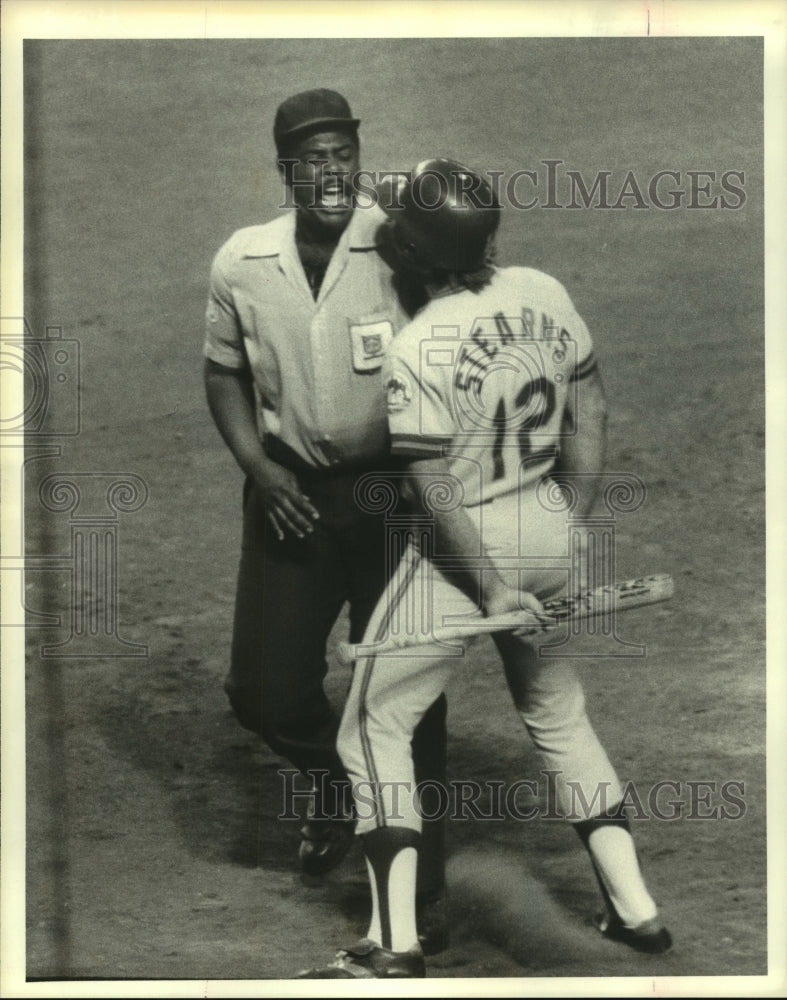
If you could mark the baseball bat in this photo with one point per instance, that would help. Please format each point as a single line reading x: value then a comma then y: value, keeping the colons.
x: 620, y: 596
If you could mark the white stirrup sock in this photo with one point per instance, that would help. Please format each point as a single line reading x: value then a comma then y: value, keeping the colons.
x: 392, y: 862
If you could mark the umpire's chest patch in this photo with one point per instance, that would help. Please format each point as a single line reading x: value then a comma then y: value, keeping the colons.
x: 370, y: 341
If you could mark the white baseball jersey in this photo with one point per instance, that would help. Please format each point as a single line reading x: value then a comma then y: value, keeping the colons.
x: 484, y: 379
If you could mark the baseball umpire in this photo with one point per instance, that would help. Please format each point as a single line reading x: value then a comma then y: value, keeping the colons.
x: 299, y: 316
x: 480, y: 406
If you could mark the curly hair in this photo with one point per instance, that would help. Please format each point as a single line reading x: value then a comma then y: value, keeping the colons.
x: 475, y: 280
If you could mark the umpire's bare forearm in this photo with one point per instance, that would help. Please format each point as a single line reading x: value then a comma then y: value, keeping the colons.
x: 230, y: 395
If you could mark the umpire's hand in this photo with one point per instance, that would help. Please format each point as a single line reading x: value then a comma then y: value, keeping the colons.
x: 289, y: 510
x: 232, y: 404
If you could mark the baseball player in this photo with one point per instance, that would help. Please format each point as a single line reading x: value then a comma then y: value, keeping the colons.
x: 299, y: 316
x: 492, y: 388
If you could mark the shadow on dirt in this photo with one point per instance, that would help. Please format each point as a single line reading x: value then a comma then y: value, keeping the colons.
x: 223, y: 785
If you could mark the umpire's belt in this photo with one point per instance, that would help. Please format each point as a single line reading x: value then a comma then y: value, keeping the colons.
x: 282, y: 453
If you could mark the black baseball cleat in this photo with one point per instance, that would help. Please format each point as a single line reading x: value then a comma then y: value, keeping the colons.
x: 432, y: 924
x: 367, y: 960
x: 651, y: 937
x: 324, y: 844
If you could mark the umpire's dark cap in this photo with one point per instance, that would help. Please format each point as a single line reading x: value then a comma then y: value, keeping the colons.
x: 309, y: 111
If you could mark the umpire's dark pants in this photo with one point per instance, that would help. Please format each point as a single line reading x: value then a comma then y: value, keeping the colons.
x: 289, y: 596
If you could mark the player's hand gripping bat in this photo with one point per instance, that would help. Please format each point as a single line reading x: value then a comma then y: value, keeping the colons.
x: 588, y: 604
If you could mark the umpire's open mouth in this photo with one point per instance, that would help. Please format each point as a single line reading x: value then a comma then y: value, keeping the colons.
x: 334, y: 197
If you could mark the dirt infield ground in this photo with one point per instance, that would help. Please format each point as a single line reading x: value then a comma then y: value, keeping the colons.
x: 154, y: 851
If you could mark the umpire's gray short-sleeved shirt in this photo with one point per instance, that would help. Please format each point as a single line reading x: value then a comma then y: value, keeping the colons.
x: 316, y: 364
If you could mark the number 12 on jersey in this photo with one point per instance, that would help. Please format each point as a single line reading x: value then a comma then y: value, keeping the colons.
x: 538, y: 395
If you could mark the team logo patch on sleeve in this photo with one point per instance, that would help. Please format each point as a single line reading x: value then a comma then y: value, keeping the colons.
x: 398, y: 393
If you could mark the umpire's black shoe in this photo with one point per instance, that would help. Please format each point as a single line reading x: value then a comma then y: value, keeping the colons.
x: 324, y: 844
x: 651, y: 937
x: 367, y: 960
x: 432, y: 923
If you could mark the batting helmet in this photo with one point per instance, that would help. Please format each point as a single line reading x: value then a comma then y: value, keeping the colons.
x: 445, y: 215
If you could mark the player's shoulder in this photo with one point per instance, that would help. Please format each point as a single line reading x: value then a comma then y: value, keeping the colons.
x: 531, y: 279
x: 439, y: 319
x: 445, y: 315
x: 538, y: 290
x: 408, y: 338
